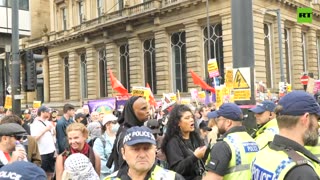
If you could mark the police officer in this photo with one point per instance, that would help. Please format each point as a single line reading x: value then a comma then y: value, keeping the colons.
x: 267, y: 124
x: 139, y: 152
x: 285, y: 157
x: 230, y: 157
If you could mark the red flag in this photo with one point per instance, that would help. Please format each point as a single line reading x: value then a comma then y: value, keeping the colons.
x: 152, y: 101
x: 197, y: 80
x: 116, y: 85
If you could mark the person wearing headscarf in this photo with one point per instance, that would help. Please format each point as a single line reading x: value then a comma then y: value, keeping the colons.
x: 135, y: 113
x: 77, y: 166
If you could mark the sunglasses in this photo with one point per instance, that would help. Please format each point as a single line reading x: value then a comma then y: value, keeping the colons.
x: 18, y: 138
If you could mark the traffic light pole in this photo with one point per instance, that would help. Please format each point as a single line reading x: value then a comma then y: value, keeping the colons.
x: 16, y: 87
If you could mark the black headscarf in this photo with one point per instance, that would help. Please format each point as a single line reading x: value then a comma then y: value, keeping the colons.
x: 128, y: 117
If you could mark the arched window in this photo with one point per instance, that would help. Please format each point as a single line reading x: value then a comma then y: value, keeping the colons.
x: 124, y: 66
x: 150, y: 64
x: 66, y: 78
x: 84, y: 76
x: 178, y: 47
x: 103, y: 72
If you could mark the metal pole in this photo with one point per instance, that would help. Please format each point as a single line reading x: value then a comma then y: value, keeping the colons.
x: 16, y: 87
x: 8, y: 50
x: 280, y: 45
x: 208, y: 31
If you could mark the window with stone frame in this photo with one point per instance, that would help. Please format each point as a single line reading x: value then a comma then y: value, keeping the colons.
x: 304, y: 51
x: 120, y: 4
x: 64, y: 18
x: 149, y: 53
x: 66, y: 78
x: 81, y: 11
x: 179, y: 71
x: 287, y: 42
x: 99, y: 7
x: 103, y: 72
x: 84, y: 75
x: 124, y: 66
x: 268, y: 54
x: 216, y: 49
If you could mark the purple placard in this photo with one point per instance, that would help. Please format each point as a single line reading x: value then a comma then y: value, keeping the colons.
x: 105, y: 106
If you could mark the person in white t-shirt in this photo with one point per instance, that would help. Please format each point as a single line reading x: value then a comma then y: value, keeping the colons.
x: 42, y: 130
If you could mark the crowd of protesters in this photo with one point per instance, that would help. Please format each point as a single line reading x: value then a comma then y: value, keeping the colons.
x: 177, y: 142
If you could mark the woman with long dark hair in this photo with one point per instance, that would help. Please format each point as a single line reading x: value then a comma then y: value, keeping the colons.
x: 182, y: 144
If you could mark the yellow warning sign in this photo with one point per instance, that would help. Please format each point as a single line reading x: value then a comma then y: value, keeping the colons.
x: 244, y: 94
x: 239, y: 81
x: 229, y: 78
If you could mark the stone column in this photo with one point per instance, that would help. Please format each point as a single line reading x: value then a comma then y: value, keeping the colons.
x: 162, y: 45
x: 312, y: 64
x: 259, y: 51
x: 74, y: 76
x: 227, y: 39
x: 297, y: 61
x: 112, y: 63
x: 194, y: 52
x: 56, y: 90
x: 92, y: 72
x: 135, y: 62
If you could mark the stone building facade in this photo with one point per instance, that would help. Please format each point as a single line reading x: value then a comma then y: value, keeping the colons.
x: 159, y: 41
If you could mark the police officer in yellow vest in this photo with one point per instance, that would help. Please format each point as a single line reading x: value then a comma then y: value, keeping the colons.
x: 315, y: 150
x: 139, y: 151
x: 285, y: 157
x: 267, y: 124
x: 230, y: 158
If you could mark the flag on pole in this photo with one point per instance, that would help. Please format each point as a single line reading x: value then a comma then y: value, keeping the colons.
x: 152, y: 101
x: 116, y: 84
x: 197, y: 80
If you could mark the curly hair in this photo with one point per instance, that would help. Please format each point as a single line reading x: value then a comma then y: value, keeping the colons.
x: 173, y: 128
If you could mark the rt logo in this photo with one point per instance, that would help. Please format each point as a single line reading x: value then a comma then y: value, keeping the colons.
x: 304, y: 15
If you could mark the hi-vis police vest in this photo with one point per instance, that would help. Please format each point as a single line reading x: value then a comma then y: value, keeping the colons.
x: 279, y: 165
x: 315, y: 150
x: 157, y: 173
x: 266, y: 133
x: 243, y: 149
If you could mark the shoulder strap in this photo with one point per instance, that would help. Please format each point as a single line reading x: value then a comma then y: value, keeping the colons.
x: 296, y: 157
x: 103, y: 142
x: 42, y: 122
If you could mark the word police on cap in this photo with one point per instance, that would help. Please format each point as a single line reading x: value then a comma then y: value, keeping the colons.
x: 10, y: 175
x: 134, y: 134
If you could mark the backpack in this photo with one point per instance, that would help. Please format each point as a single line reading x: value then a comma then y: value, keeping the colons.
x: 91, y: 141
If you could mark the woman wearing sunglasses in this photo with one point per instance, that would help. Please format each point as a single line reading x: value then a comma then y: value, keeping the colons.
x: 103, y: 145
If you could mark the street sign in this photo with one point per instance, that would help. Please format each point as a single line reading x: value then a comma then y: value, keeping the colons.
x: 304, y: 79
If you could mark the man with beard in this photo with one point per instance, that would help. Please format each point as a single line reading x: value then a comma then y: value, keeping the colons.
x: 135, y: 113
x: 286, y: 157
x: 231, y: 156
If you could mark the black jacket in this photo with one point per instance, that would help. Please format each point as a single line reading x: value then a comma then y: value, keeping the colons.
x: 127, y: 120
x: 182, y: 160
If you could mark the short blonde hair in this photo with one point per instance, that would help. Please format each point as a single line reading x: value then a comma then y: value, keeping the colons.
x: 78, y: 127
